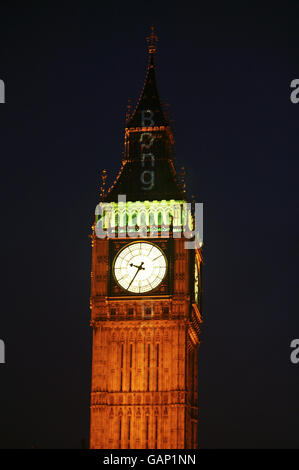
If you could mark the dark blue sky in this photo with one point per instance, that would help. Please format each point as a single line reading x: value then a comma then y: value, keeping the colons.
x: 69, y: 71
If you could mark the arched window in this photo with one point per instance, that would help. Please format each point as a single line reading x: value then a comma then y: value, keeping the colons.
x: 116, y: 219
x: 143, y: 219
x: 168, y: 218
x: 134, y: 219
x: 160, y: 219
x: 152, y: 219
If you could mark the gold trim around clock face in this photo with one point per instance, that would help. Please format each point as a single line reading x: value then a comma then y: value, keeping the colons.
x: 139, y: 267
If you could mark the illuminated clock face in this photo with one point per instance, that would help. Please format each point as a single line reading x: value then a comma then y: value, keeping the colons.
x: 140, y: 267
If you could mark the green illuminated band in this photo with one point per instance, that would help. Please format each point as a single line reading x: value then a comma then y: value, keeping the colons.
x: 121, y: 217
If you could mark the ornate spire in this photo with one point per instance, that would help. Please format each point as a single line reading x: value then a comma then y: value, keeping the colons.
x: 152, y: 39
x: 149, y: 97
x: 148, y: 143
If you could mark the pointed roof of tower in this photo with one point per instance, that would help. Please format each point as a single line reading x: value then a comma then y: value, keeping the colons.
x: 148, y: 171
x: 149, y: 98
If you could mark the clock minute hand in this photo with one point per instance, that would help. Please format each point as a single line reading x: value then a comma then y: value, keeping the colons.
x: 138, y: 269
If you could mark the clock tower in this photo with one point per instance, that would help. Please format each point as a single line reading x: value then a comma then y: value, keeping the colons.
x: 145, y: 293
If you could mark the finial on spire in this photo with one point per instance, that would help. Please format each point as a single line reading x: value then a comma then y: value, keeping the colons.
x: 152, y: 40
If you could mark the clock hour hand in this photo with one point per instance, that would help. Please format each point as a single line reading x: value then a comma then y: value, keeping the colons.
x: 138, y: 267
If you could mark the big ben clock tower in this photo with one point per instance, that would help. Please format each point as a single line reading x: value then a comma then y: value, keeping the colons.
x: 145, y: 293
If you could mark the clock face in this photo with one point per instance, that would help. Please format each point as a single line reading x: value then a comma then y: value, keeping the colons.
x: 140, y: 267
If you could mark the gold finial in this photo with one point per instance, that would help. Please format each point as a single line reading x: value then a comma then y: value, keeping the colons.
x: 152, y: 40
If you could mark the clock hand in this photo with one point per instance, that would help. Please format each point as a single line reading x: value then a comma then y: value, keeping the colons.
x: 138, y: 269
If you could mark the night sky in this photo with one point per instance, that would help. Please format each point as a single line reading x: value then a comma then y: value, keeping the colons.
x: 226, y: 73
